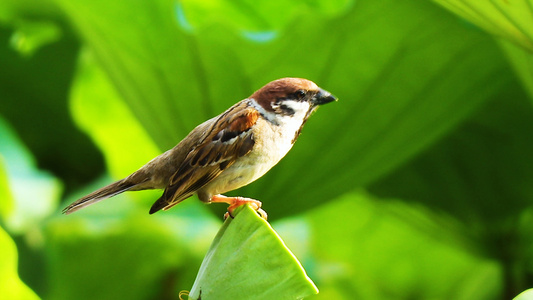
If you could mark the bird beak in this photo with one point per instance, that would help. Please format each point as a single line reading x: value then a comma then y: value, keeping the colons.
x: 323, y: 97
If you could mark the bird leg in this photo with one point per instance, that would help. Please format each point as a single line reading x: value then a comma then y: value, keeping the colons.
x: 235, y: 202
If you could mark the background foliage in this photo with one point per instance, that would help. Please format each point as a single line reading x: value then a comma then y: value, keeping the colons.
x: 417, y: 184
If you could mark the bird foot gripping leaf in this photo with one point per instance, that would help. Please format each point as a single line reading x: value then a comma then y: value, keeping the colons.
x: 235, y: 202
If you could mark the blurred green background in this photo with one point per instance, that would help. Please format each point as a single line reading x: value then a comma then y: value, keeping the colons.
x: 417, y: 184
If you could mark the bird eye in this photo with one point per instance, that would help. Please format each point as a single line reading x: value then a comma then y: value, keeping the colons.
x: 300, y: 94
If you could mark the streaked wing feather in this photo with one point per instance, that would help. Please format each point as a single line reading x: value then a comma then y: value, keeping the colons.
x: 230, y: 138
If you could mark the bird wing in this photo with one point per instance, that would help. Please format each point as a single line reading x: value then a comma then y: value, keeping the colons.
x: 229, y: 138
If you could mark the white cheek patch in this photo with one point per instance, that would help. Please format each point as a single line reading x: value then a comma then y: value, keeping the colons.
x: 300, y: 109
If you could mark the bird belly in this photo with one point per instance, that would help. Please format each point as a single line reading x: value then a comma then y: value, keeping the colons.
x: 266, y: 153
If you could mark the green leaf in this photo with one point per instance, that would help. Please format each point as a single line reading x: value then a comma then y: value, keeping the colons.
x: 363, y: 247
x: 34, y: 193
x: 30, y: 36
x: 525, y: 295
x: 7, y: 203
x: 522, y: 62
x: 15, y: 12
x: 145, y: 59
x: 483, y: 171
x: 10, y: 284
x: 101, y: 113
x: 110, y: 254
x: 508, y: 19
x: 248, y: 260
x: 254, y: 17
x: 40, y: 114
x: 482, y: 175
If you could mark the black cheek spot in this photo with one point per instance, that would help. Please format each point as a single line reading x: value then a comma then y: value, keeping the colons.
x: 286, y: 110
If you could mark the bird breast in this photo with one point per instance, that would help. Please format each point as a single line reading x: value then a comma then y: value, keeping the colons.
x: 272, y: 142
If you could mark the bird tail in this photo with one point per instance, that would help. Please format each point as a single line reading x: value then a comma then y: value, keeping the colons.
x: 100, y: 194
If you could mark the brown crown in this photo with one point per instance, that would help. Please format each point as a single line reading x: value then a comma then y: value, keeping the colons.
x: 281, y: 88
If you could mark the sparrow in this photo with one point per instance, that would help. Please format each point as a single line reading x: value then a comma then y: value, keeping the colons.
x: 226, y: 152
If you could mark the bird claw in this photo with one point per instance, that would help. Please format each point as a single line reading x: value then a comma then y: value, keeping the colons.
x: 235, y: 202
x: 261, y: 212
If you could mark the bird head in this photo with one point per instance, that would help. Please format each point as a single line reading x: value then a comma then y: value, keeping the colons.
x: 290, y: 99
